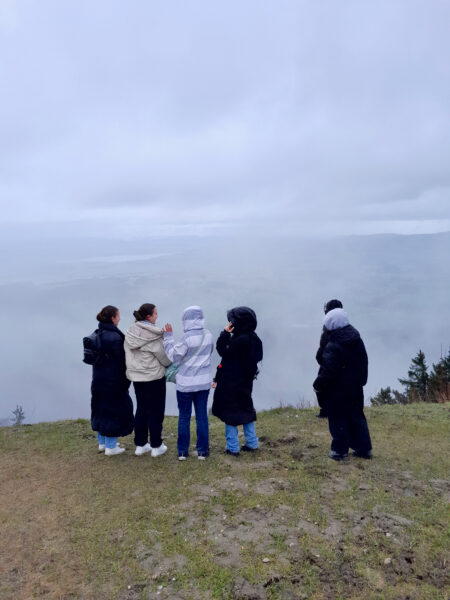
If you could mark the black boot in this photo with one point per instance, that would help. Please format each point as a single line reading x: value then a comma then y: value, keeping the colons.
x: 236, y: 454
x: 366, y: 455
x: 248, y: 449
x: 336, y: 456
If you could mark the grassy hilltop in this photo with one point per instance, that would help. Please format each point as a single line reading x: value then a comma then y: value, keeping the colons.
x: 286, y: 523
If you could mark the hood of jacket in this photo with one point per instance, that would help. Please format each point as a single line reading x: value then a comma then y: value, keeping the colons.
x: 243, y: 319
x: 335, y: 319
x: 140, y: 334
x: 193, y: 318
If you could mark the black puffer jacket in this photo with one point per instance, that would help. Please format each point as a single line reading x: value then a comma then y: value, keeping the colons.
x: 240, y: 351
x: 111, y: 405
x: 325, y: 336
x: 344, y: 367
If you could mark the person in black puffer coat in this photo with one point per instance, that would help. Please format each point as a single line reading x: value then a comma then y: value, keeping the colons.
x: 111, y: 405
x: 321, y: 398
x: 241, y: 351
x: 342, y: 376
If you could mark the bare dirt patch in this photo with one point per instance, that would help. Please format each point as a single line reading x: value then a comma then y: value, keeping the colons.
x: 334, y: 485
x: 254, y: 528
x: 271, y: 485
x: 290, y: 438
x: 157, y: 565
x: 244, y: 590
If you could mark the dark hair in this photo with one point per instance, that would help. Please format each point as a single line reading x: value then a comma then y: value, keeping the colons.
x: 144, y: 311
x: 331, y: 305
x: 107, y: 314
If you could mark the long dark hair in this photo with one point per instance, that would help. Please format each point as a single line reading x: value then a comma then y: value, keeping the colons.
x: 107, y: 314
x: 146, y: 310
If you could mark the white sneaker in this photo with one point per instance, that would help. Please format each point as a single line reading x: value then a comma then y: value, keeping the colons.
x: 158, y: 451
x: 140, y: 450
x: 201, y: 457
x: 101, y: 447
x: 182, y: 458
x: 114, y: 451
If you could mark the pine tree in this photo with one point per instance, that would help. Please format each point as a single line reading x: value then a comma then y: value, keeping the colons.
x: 19, y: 415
x: 388, y: 396
x: 439, y: 383
x: 384, y: 396
x: 416, y: 385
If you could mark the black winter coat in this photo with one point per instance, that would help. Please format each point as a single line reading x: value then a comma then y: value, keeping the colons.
x: 111, y: 405
x: 325, y: 336
x: 344, y: 368
x: 240, y: 352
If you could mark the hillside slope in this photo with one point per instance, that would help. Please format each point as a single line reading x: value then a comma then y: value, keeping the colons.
x: 284, y: 523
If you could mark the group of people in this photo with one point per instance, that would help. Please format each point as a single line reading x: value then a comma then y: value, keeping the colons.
x: 148, y: 356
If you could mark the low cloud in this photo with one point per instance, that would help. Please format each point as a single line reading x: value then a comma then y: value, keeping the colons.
x: 303, y: 112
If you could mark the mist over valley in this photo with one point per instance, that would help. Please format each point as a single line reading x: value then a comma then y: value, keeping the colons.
x: 395, y: 289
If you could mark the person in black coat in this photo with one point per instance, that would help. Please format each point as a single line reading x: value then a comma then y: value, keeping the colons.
x: 321, y: 398
x: 241, y: 351
x: 111, y: 405
x: 342, y: 376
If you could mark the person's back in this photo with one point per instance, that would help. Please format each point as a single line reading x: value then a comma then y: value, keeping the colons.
x: 146, y: 368
x: 345, y: 351
x: 192, y: 353
x: 144, y: 352
x: 192, y: 356
x: 111, y: 368
x: 240, y: 350
x: 111, y: 405
x: 342, y: 375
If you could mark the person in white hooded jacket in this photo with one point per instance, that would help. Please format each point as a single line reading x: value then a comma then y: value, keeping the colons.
x: 192, y: 355
x: 146, y: 364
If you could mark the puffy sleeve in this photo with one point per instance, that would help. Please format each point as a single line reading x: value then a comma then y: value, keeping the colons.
x: 175, y: 351
x: 332, y: 363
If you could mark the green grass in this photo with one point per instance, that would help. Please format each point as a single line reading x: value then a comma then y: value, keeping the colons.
x: 77, y: 524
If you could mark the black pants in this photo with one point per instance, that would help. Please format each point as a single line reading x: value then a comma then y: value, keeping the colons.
x: 349, y: 429
x: 151, y: 405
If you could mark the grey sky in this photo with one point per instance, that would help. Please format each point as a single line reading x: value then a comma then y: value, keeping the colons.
x: 326, y: 116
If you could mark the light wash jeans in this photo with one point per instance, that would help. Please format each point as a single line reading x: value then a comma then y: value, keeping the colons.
x: 231, y: 435
x: 110, y: 442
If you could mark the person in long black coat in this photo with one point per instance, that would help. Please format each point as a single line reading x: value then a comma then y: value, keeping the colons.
x: 111, y: 405
x: 321, y: 398
x: 241, y: 350
x: 342, y: 376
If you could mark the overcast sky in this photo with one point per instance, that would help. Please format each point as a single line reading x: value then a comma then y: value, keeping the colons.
x: 320, y: 116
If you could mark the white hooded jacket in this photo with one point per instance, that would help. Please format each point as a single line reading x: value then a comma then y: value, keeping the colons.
x: 192, y: 353
x: 144, y: 352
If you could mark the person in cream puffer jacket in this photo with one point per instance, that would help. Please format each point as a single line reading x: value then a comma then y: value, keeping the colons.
x: 146, y: 364
x: 144, y: 351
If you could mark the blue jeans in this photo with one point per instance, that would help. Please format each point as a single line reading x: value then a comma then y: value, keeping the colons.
x: 109, y: 442
x: 231, y: 435
x: 200, y: 402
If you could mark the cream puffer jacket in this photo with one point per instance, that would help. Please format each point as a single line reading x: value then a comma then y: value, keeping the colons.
x: 144, y: 352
